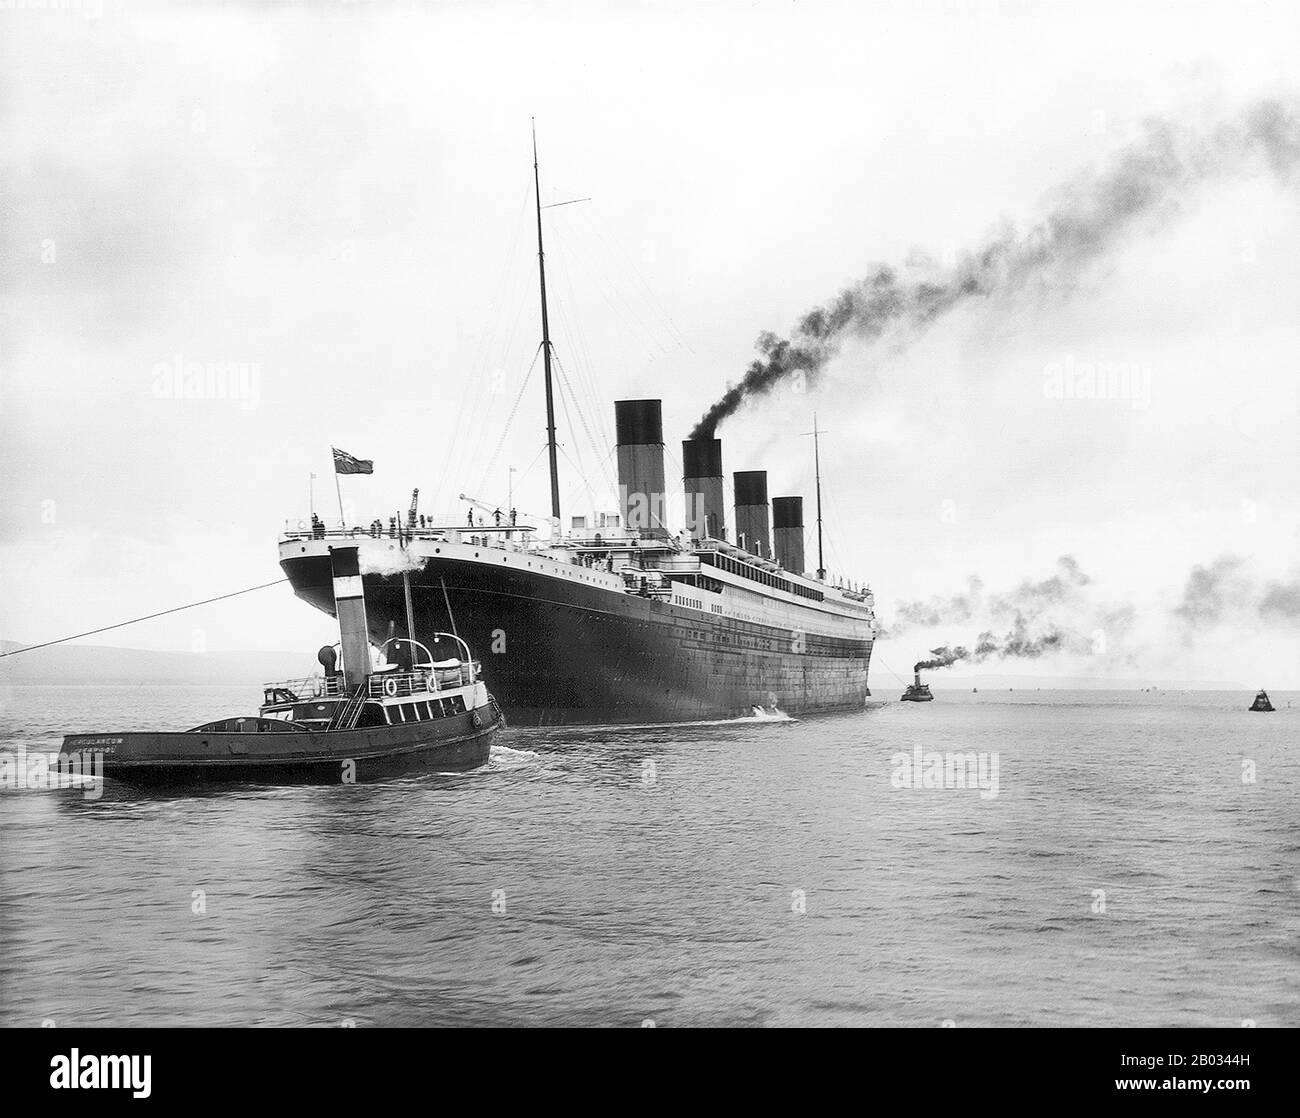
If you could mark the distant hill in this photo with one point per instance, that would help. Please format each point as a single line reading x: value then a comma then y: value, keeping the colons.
x: 72, y: 664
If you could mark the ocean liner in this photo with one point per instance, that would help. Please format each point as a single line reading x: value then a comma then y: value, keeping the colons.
x: 621, y: 619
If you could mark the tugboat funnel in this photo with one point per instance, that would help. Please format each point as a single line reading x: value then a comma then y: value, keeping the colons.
x: 350, y: 608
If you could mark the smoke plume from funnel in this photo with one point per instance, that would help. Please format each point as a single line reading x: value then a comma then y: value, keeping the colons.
x: 1018, y: 644
x: 1089, y: 216
x: 942, y: 658
x: 1064, y: 614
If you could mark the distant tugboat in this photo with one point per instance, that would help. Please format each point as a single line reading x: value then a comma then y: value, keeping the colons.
x: 416, y: 713
x: 1261, y: 701
x: 917, y: 692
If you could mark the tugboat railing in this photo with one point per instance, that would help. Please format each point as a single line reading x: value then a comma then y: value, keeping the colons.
x: 312, y: 687
x: 382, y: 685
x: 423, y: 681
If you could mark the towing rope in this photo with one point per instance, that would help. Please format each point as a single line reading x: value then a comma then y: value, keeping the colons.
x: 147, y: 617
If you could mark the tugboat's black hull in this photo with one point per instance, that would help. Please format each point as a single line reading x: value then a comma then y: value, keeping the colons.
x: 570, y: 653
x: 166, y: 760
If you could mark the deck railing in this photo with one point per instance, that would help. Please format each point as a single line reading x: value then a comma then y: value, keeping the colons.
x: 395, y: 685
x: 501, y: 535
x: 382, y: 685
x: 313, y: 687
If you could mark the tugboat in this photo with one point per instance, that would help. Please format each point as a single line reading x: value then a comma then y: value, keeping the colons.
x: 1261, y: 701
x: 422, y: 710
x: 917, y: 692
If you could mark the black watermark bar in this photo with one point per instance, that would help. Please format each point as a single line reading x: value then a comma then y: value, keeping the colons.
x: 334, y: 1066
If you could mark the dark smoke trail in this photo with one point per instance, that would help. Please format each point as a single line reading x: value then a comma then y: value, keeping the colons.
x: 942, y: 658
x: 1018, y: 644
x: 1089, y: 216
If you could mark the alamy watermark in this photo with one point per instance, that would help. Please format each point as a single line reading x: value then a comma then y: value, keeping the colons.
x: 90, y: 1072
x: 24, y: 770
x: 179, y: 379
x: 1072, y: 379
x: 920, y: 769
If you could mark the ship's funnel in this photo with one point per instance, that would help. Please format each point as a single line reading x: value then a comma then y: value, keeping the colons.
x: 702, y: 482
x: 640, y: 428
x: 917, y: 676
x: 787, y: 532
x: 752, y: 517
x: 350, y: 608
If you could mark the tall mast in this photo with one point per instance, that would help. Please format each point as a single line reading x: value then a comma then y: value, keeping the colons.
x: 817, y: 466
x: 546, y: 344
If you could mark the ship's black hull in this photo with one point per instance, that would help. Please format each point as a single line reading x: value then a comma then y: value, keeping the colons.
x: 565, y: 652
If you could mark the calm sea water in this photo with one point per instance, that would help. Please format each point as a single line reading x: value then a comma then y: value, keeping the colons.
x: 753, y: 874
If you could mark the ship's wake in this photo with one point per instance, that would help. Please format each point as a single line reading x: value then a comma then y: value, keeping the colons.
x: 760, y: 714
x: 768, y: 714
x: 502, y: 758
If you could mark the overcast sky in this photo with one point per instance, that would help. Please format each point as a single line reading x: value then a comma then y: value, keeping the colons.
x: 336, y: 197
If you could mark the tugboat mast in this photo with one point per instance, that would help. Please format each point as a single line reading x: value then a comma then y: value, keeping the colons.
x: 546, y: 345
